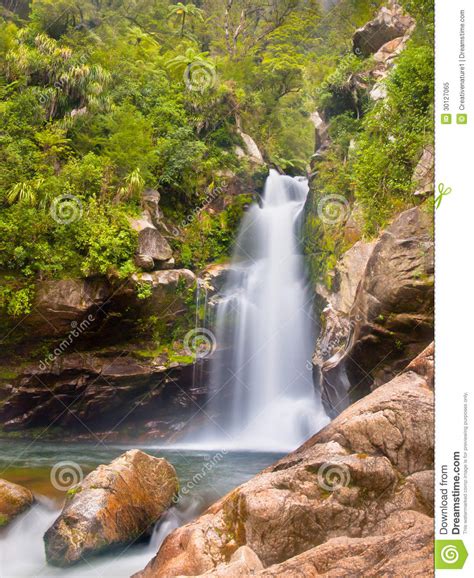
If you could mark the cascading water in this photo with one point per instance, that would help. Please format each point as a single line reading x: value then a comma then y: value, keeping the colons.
x: 262, y: 394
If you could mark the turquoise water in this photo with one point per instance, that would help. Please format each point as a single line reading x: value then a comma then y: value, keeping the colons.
x: 206, y: 475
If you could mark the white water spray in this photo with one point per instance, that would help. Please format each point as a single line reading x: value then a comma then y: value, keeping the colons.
x: 262, y: 394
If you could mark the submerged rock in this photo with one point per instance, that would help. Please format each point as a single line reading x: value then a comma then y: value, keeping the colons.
x: 116, y: 504
x: 361, y: 488
x: 14, y: 500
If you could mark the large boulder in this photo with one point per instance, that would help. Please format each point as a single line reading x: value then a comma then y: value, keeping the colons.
x: 60, y: 304
x: 390, y: 23
x: 14, y: 500
x: 151, y: 243
x: 390, y: 320
x: 115, y: 505
x: 403, y: 546
x: 151, y: 202
x: 362, y: 485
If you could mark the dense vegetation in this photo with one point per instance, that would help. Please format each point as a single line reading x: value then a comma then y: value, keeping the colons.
x: 103, y: 99
x: 375, y: 146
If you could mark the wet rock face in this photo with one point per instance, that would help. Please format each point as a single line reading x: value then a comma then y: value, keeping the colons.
x: 14, y: 500
x: 115, y: 505
x: 115, y: 396
x: 390, y: 319
x: 390, y: 23
x: 90, y: 308
x: 363, y: 485
x: 76, y: 384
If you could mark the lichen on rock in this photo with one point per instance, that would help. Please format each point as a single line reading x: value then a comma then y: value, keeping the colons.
x: 115, y: 505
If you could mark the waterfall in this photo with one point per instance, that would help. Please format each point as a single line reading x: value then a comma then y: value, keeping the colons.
x: 261, y: 394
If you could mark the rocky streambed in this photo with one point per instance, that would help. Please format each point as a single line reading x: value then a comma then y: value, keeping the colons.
x: 105, y: 507
x: 356, y: 499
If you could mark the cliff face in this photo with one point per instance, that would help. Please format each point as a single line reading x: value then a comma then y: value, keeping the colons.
x: 105, y: 355
x: 370, y: 334
x: 372, y: 262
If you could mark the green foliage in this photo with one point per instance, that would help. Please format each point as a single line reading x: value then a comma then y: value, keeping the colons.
x: 374, y: 147
x: 183, y: 12
x: 97, y: 103
x: 112, y: 243
x: 393, y: 137
x: 207, y: 238
x: 144, y: 290
x: 16, y: 299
